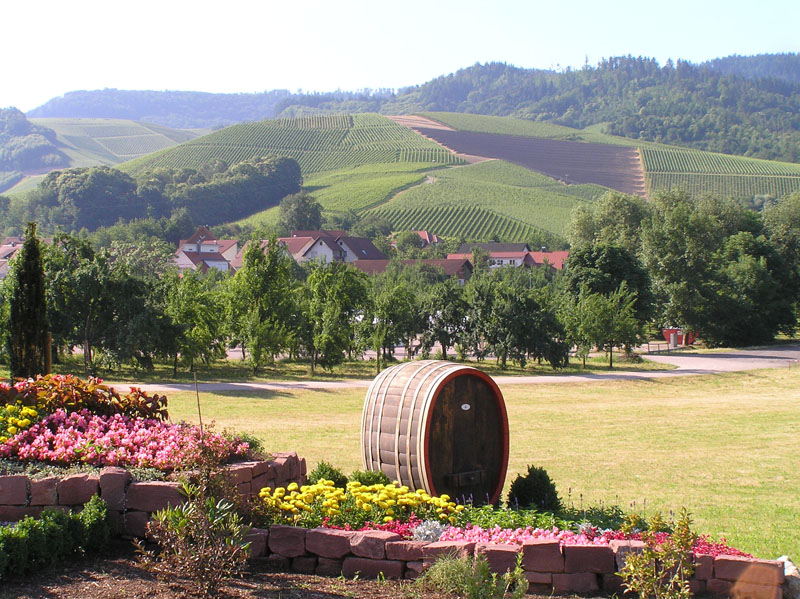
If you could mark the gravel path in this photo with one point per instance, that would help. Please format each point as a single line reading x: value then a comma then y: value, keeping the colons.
x: 687, y: 364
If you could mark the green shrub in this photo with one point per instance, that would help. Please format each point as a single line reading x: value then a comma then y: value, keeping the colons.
x: 534, y: 490
x: 32, y: 544
x: 368, y: 478
x: 662, y: 570
x: 201, y: 539
x: 324, y: 470
x: 472, y: 579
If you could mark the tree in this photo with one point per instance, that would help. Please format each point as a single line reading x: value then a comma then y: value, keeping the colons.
x: 28, y: 325
x: 194, y: 308
x: 615, y: 218
x: 390, y: 318
x: 603, y: 267
x: 336, y: 294
x: 260, y: 300
x: 299, y: 212
x: 610, y: 319
x: 446, y: 309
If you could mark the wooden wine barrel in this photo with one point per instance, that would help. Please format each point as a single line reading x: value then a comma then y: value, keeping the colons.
x: 437, y: 426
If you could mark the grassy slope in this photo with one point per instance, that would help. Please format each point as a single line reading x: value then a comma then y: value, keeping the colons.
x: 510, y: 191
x: 721, y: 445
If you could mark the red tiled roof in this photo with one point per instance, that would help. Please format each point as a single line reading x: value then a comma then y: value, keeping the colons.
x: 554, y: 259
x: 203, y: 233
x: 362, y: 248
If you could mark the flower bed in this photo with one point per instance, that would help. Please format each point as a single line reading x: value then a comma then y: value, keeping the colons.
x: 83, y: 437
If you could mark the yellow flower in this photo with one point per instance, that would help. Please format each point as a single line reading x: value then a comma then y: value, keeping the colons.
x: 292, y: 487
x: 12, y: 430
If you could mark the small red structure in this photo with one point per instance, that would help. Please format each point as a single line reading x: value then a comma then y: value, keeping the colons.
x: 689, y: 337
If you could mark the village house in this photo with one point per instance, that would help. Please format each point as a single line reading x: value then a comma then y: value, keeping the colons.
x: 513, y: 255
x: 203, y: 251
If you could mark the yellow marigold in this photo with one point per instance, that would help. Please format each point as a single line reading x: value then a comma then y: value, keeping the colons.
x: 292, y: 487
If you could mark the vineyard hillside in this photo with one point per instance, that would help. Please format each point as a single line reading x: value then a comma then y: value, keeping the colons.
x: 555, y: 150
x: 489, y: 200
x: 318, y: 143
x: 105, y: 142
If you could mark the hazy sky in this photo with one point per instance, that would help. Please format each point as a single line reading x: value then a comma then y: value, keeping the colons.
x: 49, y: 47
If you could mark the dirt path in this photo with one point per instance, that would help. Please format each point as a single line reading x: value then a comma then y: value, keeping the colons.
x: 687, y: 364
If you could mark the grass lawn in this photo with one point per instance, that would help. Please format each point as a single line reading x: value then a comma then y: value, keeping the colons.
x: 724, y: 446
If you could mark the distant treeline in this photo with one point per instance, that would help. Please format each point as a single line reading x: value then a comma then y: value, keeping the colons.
x: 737, y: 105
x: 90, y: 198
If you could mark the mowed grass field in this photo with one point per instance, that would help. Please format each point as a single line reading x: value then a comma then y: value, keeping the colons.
x: 725, y: 446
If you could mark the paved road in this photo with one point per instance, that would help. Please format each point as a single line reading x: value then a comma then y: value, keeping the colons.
x: 687, y: 364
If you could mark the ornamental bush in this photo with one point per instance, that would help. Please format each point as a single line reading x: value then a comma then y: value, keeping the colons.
x: 325, y: 471
x: 32, y: 544
x: 534, y: 490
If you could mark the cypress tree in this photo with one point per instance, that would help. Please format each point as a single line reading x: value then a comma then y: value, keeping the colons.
x: 27, y: 339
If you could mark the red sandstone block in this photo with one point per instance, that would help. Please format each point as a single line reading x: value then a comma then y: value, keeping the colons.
x: 43, y: 491
x: 747, y: 590
x: 287, y: 541
x: 257, y: 537
x: 539, y: 577
x: 455, y: 548
x: 743, y: 569
x: 718, y: 587
x: 275, y: 561
x: 703, y: 567
x: 244, y: 489
x: 577, y: 582
x: 328, y: 567
x: 371, y: 543
x: 14, y: 513
x: 77, y: 489
x: 405, y: 550
x: 152, y: 496
x: 259, y: 467
x: 697, y: 587
x: 117, y: 522
x: 304, y: 564
x: 113, y: 482
x: 413, y: 569
x: 589, y: 558
x: 258, y: 483
x: 542, y: 555
x: 240, y: 473
x: 613, y: 585
x: 303, y: 468
x: 328, y: 542
x: 622, y: 549
x: 136, y: 523
x: 372, y: 568
x: 14, y: 489
x: 501, y: 557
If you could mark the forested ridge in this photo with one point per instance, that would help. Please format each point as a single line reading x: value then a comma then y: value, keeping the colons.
x: 736, y: 105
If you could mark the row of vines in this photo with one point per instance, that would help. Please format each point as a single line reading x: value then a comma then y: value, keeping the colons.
x: 318, y: 143
x: 470, y: 222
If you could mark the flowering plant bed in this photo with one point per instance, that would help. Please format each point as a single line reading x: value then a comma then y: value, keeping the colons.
x: 62, y: 419
x: 584, y: 536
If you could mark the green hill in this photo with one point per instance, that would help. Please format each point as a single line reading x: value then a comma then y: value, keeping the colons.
x: 317, y: 143
x: 665, y: 167
x: 99, y: 142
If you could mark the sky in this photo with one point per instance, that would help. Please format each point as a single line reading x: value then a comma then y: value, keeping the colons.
x: 48, y: 48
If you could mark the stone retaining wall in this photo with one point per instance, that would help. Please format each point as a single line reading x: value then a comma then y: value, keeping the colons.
x: 548, y: 567
x: 131, y: 503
